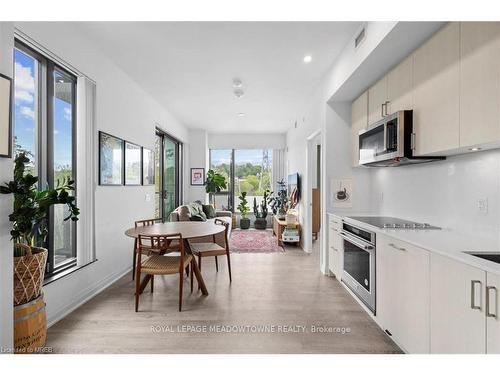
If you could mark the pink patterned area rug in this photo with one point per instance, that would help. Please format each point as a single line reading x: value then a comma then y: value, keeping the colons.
x: 254, y: 241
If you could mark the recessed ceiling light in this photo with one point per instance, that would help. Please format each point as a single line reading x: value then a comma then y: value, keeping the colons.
x: 238, y: 93
x: 475, y: 149
x: 307, y: 59
x: 241, y: 114
x: 237, y: 82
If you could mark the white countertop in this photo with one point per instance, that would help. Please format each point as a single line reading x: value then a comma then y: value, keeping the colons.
x: 446, y: 242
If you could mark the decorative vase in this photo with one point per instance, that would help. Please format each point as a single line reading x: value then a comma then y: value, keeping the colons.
x: 244, y: 223
x: 260, y: 223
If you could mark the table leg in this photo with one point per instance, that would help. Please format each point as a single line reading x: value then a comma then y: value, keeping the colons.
x: 196, y: 270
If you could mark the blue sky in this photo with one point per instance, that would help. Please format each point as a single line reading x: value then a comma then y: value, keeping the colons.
x: 241, y: 156
x: 25, y: 113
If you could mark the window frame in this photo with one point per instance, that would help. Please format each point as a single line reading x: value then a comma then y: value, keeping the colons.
x: 44, y: 166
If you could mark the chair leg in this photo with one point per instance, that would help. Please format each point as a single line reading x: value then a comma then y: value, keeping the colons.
x: 134, y: 260
x: 152, y: 283
x: 216, y: 265
x: 229, y: 266
x: 199, y: 266
x: 191, y: 274
x: 137, y: 287
x: 181, y: 284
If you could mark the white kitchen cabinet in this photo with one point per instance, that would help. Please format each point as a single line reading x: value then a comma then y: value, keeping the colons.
x: 479, y: 83
x: 458, y: 323
x: 403, y: 300
x: 400, y: 86
x: 335, y: 258
x: 436, y: 91
x: 377, y: 99
x: 359, y: 120
x: 492, y: 318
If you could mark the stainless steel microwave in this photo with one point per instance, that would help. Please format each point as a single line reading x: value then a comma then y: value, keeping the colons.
x: 390, y: 142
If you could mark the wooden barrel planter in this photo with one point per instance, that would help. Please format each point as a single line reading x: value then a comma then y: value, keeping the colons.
x: 30, y: 326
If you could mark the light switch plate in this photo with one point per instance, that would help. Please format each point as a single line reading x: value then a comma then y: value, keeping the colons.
x: 482, y: 206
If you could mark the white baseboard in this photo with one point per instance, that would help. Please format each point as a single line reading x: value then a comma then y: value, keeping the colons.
x: 84, y: 296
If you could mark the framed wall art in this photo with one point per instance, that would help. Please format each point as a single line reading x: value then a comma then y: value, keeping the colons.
x: 148, y: 167
x: 111, y: 165
x: 197, y: 176
x: 133, y: 164
x: 5, y: 116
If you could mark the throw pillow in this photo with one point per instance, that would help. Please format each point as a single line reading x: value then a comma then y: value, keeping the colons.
x: 184, y: 213
x: 195, y: 208
x: 198, y: 217
x: 209, y: 210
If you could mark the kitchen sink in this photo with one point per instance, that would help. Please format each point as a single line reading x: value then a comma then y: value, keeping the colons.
x: 491, y: 256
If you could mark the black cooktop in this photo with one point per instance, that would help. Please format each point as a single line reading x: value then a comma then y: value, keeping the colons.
x: 387, y: 222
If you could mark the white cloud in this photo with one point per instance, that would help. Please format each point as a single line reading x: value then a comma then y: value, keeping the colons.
x: 24, y: 83
x: 67, y: 113
x: 27, y: 112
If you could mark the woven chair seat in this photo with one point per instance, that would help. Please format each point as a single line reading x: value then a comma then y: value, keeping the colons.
x: 164, y: 265
x: 207, y: 248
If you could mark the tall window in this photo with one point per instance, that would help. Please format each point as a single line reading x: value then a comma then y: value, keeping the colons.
x: 247, y: 170
x: 44, y: 128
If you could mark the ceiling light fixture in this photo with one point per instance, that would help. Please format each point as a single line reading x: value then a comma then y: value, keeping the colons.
x: 237, y: 82
x: 238, y: 93
x: 307, y: 59
x: 241, y: 114
x: 475, y: 149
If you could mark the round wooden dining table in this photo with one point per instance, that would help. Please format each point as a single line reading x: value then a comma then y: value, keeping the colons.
x: 188, y: 230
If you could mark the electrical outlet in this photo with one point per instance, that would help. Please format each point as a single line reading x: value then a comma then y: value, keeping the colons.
x: 147, y: 197
x: 482, y: 206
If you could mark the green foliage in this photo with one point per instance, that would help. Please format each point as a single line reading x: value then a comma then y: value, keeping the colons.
x: 262, y: 214
x: 279, y: 201
x: 243, y: 206
x: 215, y: 182
x: 31, y: 206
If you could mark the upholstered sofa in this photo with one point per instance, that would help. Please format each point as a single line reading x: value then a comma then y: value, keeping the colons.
x: 185, y: 213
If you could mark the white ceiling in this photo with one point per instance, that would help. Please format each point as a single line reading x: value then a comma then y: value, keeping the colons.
x: 189, y: 67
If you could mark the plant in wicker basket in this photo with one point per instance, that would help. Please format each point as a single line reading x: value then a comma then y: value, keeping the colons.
x: 29, y: 226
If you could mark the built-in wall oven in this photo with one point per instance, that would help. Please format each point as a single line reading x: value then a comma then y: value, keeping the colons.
x: 359, y: 262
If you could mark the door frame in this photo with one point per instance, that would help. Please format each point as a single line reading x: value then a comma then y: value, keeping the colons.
x: 178, y: 166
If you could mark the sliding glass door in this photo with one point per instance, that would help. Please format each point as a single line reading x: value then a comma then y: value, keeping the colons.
x: 168, y: 179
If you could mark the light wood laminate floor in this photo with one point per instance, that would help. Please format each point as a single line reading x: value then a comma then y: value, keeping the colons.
x: 269, y: 291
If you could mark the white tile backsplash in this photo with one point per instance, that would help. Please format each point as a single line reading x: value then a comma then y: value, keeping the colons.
x: 445, y: 193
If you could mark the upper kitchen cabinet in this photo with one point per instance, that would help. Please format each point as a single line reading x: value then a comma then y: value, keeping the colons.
x: 436, y: 91
x: 359, y: 120
x: 377, y: 101
x: 479, y: 83
x: 400, y: 86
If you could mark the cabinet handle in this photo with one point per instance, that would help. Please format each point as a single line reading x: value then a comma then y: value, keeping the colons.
x: 387, y: 102
x: 488, y: 313
x: 396, y: 247
x: 382, y: 109
x: 473, y: 295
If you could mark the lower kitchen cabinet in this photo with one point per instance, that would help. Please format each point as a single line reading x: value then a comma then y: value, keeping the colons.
x: 458, y: 323
x: 403, y: 300
x: 335, y: 247
x: 492, y: 318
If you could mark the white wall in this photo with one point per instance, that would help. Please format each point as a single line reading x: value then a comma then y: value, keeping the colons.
x: 198, y: 158
x: 124, y: 110
x: 444, y: 193
x: 6, y: 173
x: 242, y: 141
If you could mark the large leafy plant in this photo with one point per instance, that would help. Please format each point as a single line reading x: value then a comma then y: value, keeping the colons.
x: 31, y: 206
x: 215, y: 182
x: 243, y: 206
x: 279, y: 201
x: 262, y: 213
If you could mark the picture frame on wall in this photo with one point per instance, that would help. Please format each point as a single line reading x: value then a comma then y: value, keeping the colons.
x: 133, y: 164
x: 197, y: 176
x: 5, y: 116
x: 148, y: 167
x: 111, y: 164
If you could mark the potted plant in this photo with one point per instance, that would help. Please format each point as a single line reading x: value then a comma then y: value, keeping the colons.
x: 244, y: 209
x: 29, y: 226
x: 279, y: 201
x: 214, y: 183
x: 261, y: 216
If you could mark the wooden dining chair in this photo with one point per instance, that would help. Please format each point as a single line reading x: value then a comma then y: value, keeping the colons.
x: 137, y: 224
x: 212, y: 249
x: 158, y: 264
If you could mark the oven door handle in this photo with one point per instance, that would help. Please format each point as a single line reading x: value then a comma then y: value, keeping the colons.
x: 356, y: 242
